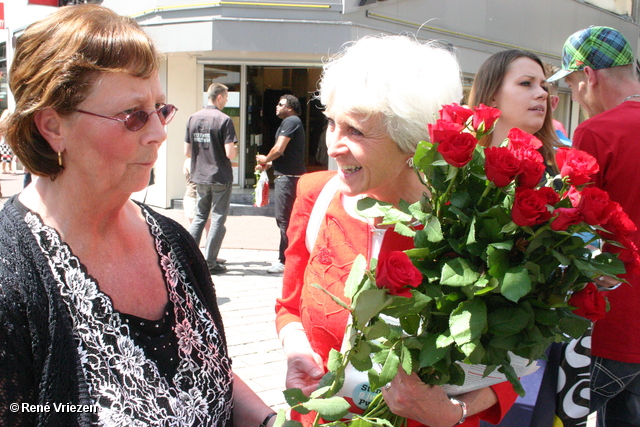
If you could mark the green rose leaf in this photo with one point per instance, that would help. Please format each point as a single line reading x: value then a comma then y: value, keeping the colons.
x: 370, y: 303
x: 356, y: 276
x: 331, y: 380
x: 510, y: 373
x: 389, y: 368
x: 572, y: 325
x: 430, y: 353
x: 497, y: 261
x: 509, y: 228
x: 546, y: 316
x: 507, y: 321
x: 406, y: 360
x: 377, y: 329
x: 294, y: 397
x: 372, y: 208
x: 458, y: 272
x: 604, y: 264
x: 335, y: 360
x: 467, y: 321
x: 468, y: 348
x: 320, y: 392
x: 516, y: 283
x: 433, y: 229
x: 359, y: 422
x: 281, y: 420
x: 416, y: 212
x: 404, y: 230
x: 361, y: 357
x: 419, y: 253
x: 331, y: 409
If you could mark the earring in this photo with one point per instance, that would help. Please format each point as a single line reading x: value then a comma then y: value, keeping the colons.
x: 59, y: 158
x: 410, y: 162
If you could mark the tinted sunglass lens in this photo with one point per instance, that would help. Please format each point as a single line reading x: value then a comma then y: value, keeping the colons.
x: 166, y: 113
x: 136, y: 121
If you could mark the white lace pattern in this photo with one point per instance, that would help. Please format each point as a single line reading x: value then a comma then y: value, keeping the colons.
x: 125, y: 385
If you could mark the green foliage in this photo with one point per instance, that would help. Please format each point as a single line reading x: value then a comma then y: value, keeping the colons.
x: 491, y: 289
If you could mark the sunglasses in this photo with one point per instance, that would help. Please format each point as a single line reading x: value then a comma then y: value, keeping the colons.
x: 136, y: 121
x: 282, y: 105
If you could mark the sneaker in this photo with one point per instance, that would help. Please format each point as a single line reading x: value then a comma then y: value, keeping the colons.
x: 276, y: 268
x: 218, y: 269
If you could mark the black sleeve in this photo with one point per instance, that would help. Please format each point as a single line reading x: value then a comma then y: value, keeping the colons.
x: 228, y: 132
x: 17, y: 379
x: 289, y: 127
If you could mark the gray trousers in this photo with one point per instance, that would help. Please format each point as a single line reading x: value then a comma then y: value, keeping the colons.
x: 213, y: 199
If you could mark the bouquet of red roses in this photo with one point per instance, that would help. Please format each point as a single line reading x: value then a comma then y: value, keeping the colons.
x: 498, y: 267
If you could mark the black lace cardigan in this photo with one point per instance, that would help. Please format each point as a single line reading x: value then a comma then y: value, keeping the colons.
x: 39, y: 361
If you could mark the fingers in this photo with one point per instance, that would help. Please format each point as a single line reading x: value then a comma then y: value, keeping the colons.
x: 304, y: 371
x: 607, y: 282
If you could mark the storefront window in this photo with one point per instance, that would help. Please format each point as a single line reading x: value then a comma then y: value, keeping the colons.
x: 265, y: 87
x: 620, y: 7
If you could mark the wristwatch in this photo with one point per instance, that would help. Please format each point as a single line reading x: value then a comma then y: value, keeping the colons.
x: 464, y: 409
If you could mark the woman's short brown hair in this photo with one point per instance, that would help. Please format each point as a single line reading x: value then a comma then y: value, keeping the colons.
x: 56, y: 62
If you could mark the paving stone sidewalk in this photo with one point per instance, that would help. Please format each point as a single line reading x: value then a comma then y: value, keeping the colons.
x: 246, y: 297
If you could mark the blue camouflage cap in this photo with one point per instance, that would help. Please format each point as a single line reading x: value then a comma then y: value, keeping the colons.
x: 595, y: 47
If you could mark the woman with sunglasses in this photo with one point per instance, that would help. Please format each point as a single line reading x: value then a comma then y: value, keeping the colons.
x: 107, y: 311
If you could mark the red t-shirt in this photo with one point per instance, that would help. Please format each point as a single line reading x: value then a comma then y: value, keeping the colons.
x: 613, y: 138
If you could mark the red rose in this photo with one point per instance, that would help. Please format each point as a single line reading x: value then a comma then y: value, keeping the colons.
x: 531, y: 167
x: 550, y: 194
x: 589, y: 303
x: 443, y: 130
x: 574, y: 195
x: 576, y: 164
x: 565, y: 217
x: 595, y: 206
x: 501, y: 165
x: 396, y: 272
x: 530, y: 206
x: 484, y: 116
x: 520, y: 139
x: 455, y: 113
x: 457, y: 149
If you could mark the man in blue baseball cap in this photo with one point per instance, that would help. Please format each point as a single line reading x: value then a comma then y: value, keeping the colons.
x: 599, y: 67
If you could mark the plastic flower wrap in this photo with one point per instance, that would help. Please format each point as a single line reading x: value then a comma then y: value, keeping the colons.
x: 497, y: 269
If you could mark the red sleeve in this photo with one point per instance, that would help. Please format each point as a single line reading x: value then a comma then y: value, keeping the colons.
x: 588, y: 141
x: 506, y: 397
x: 297, y: 256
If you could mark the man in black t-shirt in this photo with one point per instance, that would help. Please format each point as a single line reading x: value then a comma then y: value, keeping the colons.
x: 287, y: 158
x: 210, y: 143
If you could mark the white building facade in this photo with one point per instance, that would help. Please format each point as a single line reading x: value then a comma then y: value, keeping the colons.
x: 263, y: 49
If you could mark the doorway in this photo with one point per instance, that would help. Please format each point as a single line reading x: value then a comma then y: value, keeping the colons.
x: 265, y: 86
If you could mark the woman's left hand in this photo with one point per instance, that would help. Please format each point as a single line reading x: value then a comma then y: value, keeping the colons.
x: 409, y: 397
